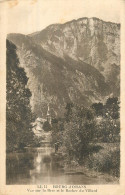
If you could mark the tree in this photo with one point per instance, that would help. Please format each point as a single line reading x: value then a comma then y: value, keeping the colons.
x: 68, y: 113
x: 112, y: 108
x: 78, y: 132
x: 98, y: 108
x: 46, y: 126
x: 57, y: 130
x: 108, y: 129
x: 18, y: 111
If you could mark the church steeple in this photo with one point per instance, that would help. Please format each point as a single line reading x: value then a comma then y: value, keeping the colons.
x: 48, y: 115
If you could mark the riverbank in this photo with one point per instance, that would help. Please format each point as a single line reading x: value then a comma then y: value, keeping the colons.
x: 103, y: 178
x: 42, y: 164
x: 103, y: 162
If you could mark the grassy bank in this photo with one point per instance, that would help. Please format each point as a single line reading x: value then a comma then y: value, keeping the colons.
x: 103, y: 162
x: 106, y: 159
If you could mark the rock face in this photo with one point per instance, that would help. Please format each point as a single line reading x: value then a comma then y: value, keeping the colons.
x: 87, y: 39
x: 78, y: 61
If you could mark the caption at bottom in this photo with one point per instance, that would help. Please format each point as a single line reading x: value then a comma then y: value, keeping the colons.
x: 62, y: 188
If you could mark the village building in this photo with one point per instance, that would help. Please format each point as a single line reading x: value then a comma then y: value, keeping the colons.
x: 38, y: 124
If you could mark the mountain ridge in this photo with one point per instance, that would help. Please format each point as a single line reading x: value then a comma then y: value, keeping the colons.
x: 74, y: 20
x: 59, y: 79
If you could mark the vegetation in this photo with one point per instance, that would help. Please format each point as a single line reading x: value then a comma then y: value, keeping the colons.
x: 57, y: 130
x: 108, y: 126
x: 46, y: 126
x: 82, y: 131
x: 18, y: 112
x: 79, y: 131
x: 83, y: 135
x: 106, y: 159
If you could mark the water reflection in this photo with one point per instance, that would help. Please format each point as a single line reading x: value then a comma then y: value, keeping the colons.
x: 32, y: 166
x: 39, y: 166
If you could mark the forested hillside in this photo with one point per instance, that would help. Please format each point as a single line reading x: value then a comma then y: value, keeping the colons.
x: 18, y: 110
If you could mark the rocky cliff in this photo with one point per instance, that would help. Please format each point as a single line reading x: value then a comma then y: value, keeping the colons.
x: 77, y: 61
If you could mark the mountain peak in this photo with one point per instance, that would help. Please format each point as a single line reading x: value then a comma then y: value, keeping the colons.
x: 76, y: 61
x: 88, y: 19
x: 57, y: 25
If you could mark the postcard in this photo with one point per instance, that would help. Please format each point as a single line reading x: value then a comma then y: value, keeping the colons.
x: 62, y: 96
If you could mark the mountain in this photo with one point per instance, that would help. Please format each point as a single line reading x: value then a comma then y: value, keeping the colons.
x: 77, y: 61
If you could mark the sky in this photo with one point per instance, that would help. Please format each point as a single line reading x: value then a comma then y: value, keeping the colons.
x: 28, y: 16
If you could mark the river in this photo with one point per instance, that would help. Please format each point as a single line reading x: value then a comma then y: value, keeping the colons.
x: 37, y: 166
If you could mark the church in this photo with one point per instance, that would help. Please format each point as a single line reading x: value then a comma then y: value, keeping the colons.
x: 39, y: 122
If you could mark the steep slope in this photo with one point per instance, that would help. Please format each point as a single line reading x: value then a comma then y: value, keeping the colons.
x: 90, y: 40
x: 59, y: 76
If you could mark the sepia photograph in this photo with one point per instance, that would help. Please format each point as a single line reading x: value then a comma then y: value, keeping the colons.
x: 63, y: 103
x: 63, y: 93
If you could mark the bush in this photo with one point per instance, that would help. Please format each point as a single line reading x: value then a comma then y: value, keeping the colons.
x: 105, y: 161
